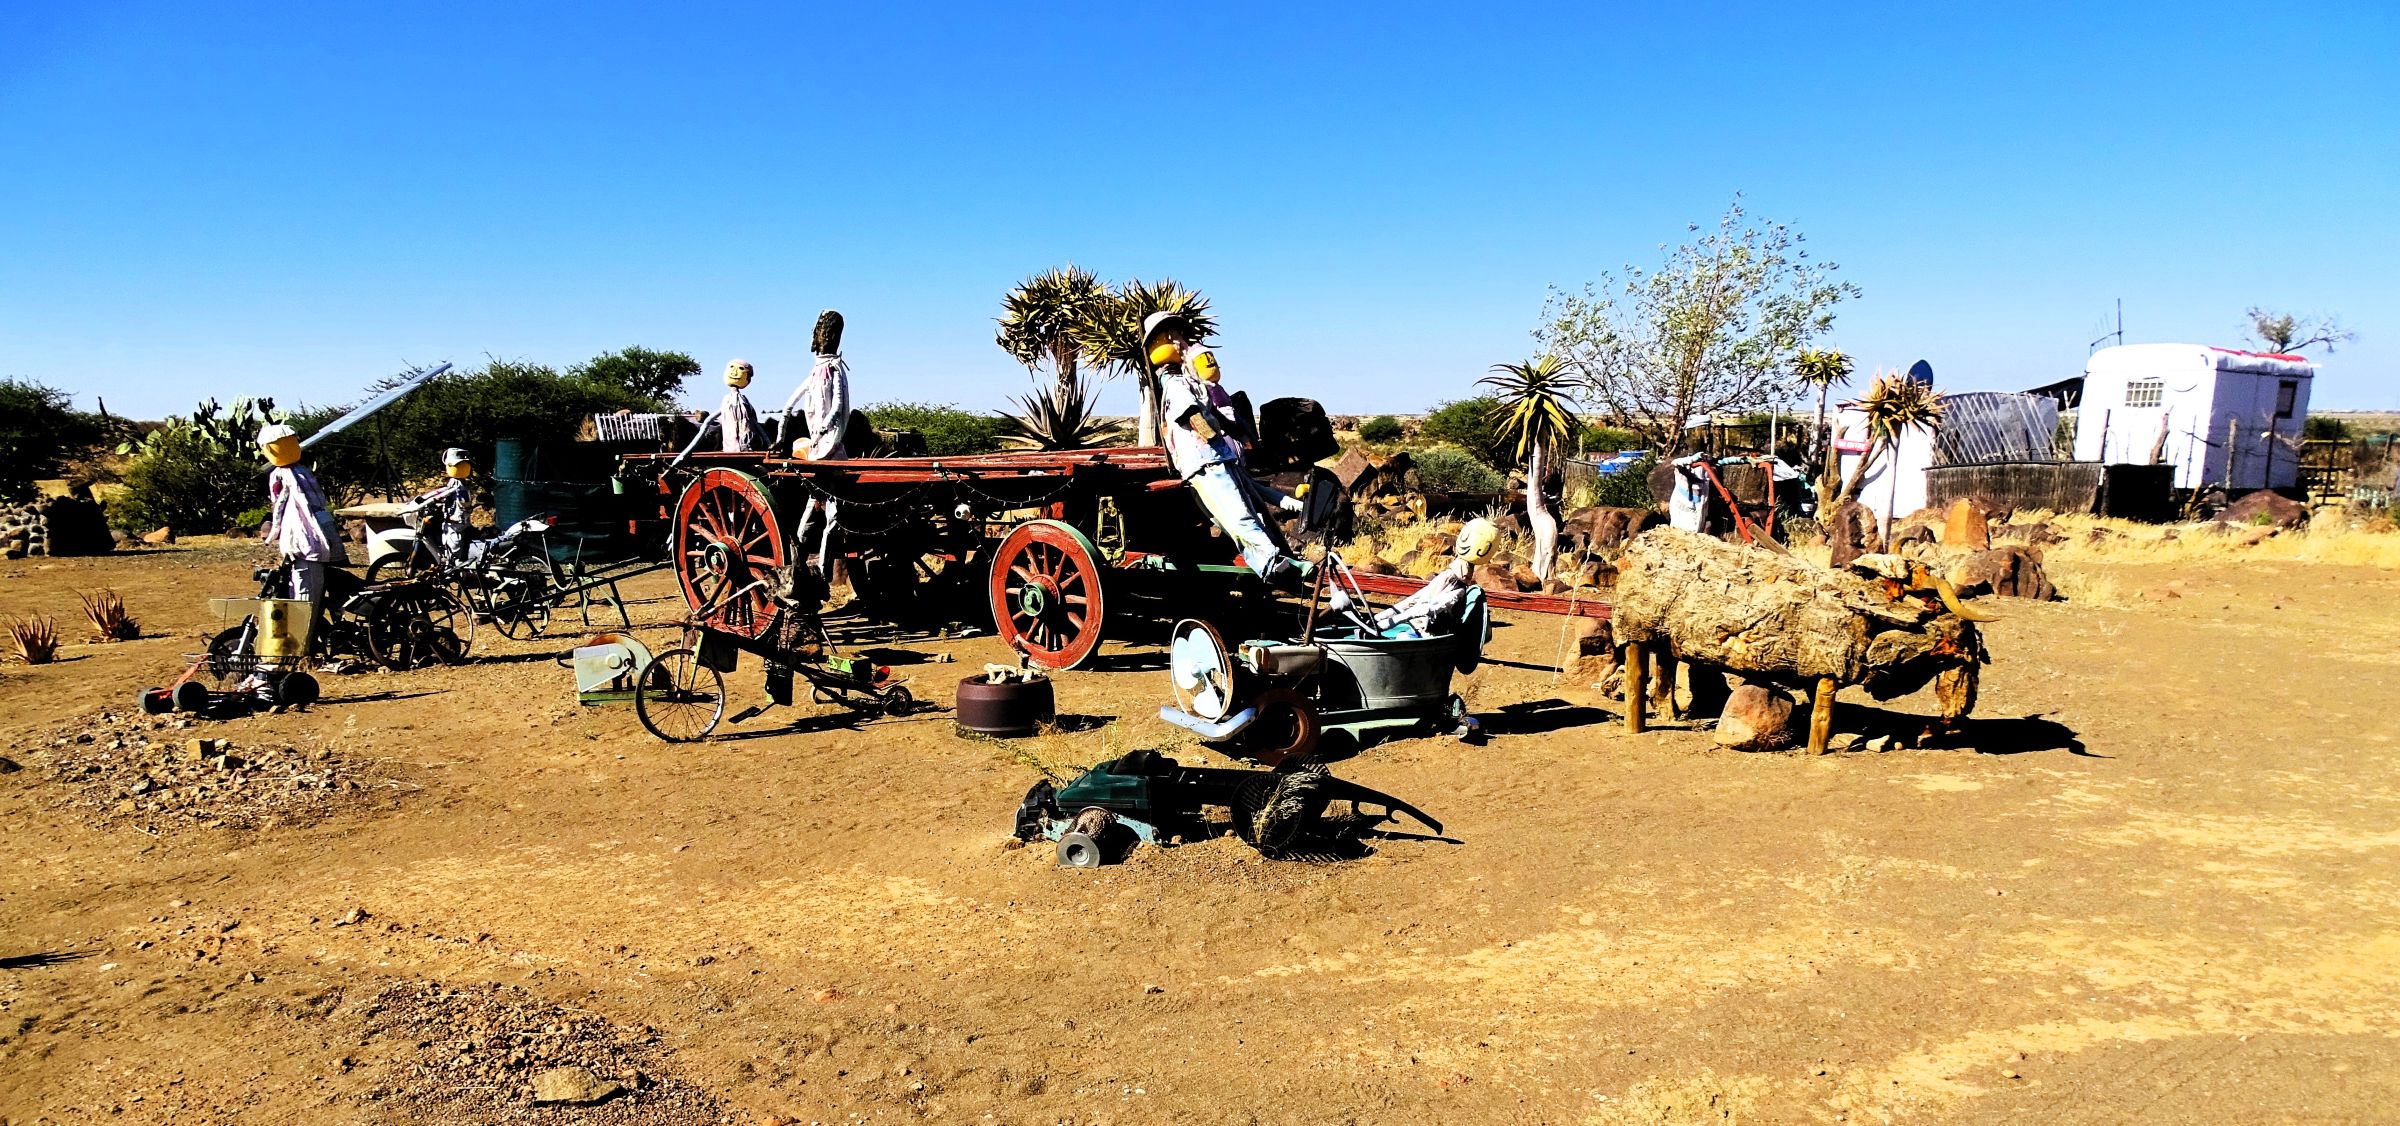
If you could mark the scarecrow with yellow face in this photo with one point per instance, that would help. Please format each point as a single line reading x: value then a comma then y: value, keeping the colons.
x: 1204, y: 448
x: 1437, y: 608
x: 299, y: 522
x: 448, y: 505
x: 737, y: 420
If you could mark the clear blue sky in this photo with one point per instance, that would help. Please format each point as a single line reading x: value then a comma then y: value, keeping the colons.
x: 228, y: 199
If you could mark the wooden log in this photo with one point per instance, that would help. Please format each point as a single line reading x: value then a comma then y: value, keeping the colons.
x: 1759, y: 614
x: 1820, y: 716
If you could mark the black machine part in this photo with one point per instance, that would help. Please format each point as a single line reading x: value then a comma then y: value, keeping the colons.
x: 1150, y: 787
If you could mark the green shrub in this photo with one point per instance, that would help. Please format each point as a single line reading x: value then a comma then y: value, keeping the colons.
x: 39, y: 434
x: 948, y: 429
x: 1600, y: 439
x: 2325, y: 427
x: 1467, y: 424
x: 471, y: 410
x: 653, y: 375
x: 1626, y: 488
x: 1445, y: 470
x: 1381, y: 428
x: 183, y: 480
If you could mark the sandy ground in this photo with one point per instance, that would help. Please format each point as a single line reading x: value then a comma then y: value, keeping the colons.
x: 2167, y: 893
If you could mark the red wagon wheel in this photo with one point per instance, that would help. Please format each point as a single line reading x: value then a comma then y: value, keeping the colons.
x: 728, y: 542
x: 1046, y: 593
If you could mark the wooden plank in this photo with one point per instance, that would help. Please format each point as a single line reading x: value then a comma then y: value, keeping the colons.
x: 1820, y: 716
x: 1401, y: 586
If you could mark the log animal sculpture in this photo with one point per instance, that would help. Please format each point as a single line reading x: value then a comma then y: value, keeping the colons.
x: 1886, y: 624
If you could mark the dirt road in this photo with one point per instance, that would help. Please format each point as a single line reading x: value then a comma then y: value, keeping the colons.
x: 2168, y: 894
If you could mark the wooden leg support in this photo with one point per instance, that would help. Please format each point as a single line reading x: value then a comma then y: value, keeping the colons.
x: 1662, y: 682
x: 1637, y: 688
x: 1820, y: 716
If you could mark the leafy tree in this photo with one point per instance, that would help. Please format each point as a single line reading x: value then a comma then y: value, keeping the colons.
x: 1715, y: 327
x: 1110, y: 337
x: 1536, y: 416
x: 2286, y: 333
x: 948, y: 430
x: 1381, y: 428
x: 472, y: 410
x: 39, y: 432
x: 1597, y: 438
x: 1038, y: 322
x: 1467, y: 424
x: 652, y: 375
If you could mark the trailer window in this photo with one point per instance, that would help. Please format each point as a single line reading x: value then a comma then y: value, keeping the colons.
x: 2145, y: 393
x: 2287, y: 395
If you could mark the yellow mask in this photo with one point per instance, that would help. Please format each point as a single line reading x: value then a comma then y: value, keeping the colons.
x: 1476, y: 540
x: 737, y: 374
x: 461, y: 470
x: 283, y: 451
x: 1165, y: 352
x: 1203, y: 363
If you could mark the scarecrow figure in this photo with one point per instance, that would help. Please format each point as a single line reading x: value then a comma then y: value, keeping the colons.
x: 1205, y: 450
x: 736, y: 419
x: 823, y: 401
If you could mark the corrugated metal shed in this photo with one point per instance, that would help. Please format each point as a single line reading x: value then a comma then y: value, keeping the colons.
x: 1996, y: 428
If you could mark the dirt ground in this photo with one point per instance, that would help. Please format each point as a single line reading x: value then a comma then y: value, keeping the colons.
x: 2165, y: 890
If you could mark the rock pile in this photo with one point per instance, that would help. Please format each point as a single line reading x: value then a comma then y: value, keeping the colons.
x: 494, y: 1053
x: 64, y: 525
x: 148, y: 772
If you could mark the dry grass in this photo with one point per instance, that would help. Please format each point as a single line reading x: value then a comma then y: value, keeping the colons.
x: 106, y: 611
x: 2331, y: 539
x: 36, y: 639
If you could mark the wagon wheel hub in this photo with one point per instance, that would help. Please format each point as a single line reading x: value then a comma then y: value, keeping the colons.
x: 1046, y: 593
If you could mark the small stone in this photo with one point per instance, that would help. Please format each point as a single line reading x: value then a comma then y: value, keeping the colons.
x: 1843, y: 741
x: 1881, y: 743
x: 826, y: 996
x: 2010, y: 1075
x: 351, y: 918
x: 1154, y: 989
x: 573, y: 1086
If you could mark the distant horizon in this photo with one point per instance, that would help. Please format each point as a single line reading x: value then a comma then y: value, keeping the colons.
x: 295, y: 201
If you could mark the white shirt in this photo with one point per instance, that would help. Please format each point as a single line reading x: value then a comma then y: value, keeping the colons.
x: 737, y: 421
x: 297, y: 516
x: 1187, y: 451
x: 824, y: 401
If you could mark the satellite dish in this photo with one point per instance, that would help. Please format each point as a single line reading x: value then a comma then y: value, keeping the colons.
x: 1921, y: 372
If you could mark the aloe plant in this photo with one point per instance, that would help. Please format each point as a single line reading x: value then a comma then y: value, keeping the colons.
x: 1894, y: 405
x: 1038, y: 319
x: 1058, y: 422
x: 1535, y: 414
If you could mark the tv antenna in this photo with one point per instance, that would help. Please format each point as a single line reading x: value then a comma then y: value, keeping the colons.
x: 2118, y: 335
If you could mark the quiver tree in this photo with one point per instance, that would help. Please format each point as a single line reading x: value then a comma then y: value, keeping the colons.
x: 1819, y: 369
x: 1110, y: 337
x: 1893, y: 405
x: 1534, y: 415
x: 1038, y: 321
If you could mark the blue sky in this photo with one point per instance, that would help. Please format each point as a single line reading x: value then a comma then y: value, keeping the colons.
x: 296, y: 200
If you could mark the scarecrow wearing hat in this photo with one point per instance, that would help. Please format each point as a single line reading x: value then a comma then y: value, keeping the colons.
x: 299, y: 522
x: 448, y: 506
x: 1206, y: 451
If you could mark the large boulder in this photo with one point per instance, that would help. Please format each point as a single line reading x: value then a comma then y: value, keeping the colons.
x: 1965, y: 527
x: 1756, y: 718
x: 2007, y: 572
x: 2265, y: 509
x: 1601, y: 530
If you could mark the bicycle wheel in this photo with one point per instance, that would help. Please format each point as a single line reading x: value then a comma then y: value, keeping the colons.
x: 679, y: 699
x: 418, y: 625
x: 520, y: 600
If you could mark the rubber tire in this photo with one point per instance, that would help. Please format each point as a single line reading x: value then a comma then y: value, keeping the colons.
x: 294, y: 689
